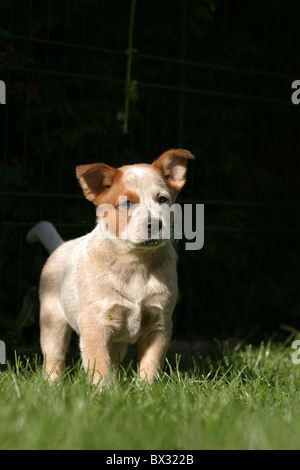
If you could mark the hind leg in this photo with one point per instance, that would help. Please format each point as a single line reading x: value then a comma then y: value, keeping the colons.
x: 55, y: 338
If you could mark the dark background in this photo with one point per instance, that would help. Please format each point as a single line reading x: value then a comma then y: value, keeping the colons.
x: 207, y: 75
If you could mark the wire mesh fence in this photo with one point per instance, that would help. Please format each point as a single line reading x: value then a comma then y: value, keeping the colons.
x: 204, y: 76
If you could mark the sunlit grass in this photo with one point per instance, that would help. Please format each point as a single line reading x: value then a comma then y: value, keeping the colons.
x: 246, y: 399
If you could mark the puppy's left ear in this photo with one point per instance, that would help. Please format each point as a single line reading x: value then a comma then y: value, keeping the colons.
x: 172, y: 165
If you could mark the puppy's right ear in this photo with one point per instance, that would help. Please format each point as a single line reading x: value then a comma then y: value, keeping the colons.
x: 95, y: 179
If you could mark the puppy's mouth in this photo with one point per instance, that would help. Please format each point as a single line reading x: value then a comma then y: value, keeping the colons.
x: 151, y: 243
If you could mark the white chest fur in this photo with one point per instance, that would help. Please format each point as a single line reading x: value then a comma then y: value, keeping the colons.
x: 138, y: 307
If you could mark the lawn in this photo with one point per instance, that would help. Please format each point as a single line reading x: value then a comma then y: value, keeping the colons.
x: 243, y: 399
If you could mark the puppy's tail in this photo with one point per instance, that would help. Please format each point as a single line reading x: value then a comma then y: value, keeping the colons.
x: 47, y: 234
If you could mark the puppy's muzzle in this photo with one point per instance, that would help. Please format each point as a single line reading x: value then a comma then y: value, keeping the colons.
x: 153, y: 227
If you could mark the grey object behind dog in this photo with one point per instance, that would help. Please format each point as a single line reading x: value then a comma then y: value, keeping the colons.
x: 47, y: 234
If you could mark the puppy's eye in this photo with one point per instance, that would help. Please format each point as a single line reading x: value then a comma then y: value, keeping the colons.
x: 126, y: 204
x: 162, y: 199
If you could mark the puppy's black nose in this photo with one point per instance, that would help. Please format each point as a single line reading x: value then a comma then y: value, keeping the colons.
x: 153, y: 226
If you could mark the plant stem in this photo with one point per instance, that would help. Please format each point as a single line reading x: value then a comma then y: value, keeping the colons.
x: 129, y: 65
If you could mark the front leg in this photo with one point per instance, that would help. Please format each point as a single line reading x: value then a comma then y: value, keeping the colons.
x: 152, y: 350
x: 95, y: 345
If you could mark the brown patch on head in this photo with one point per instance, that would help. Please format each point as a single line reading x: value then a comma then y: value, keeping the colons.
x: 111, y: 196
x: 132, y: 196
x: 172, y: 165
x: 103, y: 185
x: 118, y: 214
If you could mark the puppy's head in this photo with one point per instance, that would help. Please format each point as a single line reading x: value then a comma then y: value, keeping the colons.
x: 133, y: 201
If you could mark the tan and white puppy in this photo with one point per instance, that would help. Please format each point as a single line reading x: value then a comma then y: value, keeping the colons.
x: 118, y: 284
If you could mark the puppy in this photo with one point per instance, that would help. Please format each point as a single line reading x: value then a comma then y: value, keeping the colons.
x: 117, y: 284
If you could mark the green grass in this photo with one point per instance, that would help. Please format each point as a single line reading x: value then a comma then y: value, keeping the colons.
x: 246, y: 399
